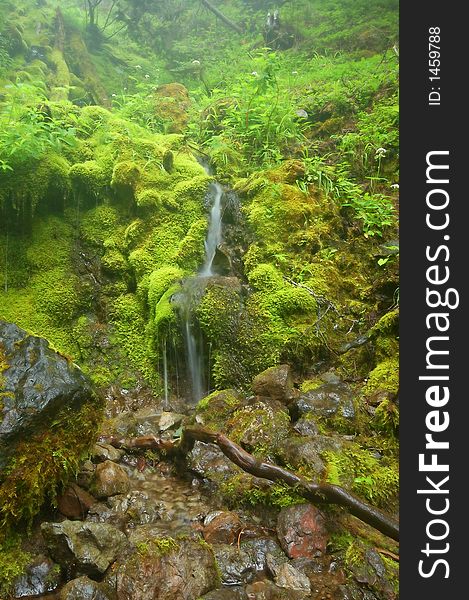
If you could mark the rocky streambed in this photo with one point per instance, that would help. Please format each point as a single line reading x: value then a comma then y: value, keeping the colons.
x: 134, y: 524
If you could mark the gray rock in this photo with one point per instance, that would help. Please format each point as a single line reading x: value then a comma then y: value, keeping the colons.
x: 102, y: 452
x: 235, y: 565
x: 261, y: 550
x: 206, y: 460
x: 36, y: 384
x: 40, y: 577
x: 326, y: 401
x: 87, y: 548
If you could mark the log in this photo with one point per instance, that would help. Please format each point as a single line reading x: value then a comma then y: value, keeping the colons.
x: 221, y: 16
x: 325, y: 493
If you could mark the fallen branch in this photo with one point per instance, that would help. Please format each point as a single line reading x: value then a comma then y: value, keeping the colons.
x: 221, y: 16
x: 316, y: 492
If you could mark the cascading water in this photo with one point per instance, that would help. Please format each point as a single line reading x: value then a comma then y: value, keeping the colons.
x: 213, y: 238
x: 193, y: 288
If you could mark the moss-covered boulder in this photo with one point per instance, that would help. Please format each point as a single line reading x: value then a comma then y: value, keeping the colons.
x: 50, y: 415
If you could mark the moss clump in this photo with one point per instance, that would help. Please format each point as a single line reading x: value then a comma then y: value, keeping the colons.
x: 217, y: 407
x: 310, y: 384
x: 99, y: 223
x: 89, y: 178
x: 157, y: 546
x: 362, y: 472
x: 384, y: 377
x: 260, y: 428
x: 13, y: 562
x: 242, y: 490
x: 45, y: 462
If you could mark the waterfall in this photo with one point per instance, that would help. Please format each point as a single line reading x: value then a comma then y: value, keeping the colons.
x: 213, y: 238
x: 193, y: 289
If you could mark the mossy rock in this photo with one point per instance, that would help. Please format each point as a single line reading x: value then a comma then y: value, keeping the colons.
x: 50, y: 420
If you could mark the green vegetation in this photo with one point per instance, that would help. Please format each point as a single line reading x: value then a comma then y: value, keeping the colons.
x: 106, y: 109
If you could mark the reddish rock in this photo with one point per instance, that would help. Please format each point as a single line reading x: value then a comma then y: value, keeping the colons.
x: 276, y: 383
x: 75, y: 502
x: 301, y: 531
x: 223, y: 528
x: 110, y: 479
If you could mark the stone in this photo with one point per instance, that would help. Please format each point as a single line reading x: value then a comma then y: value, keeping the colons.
x: 306, y: 427
x: 208, y: 461
x: 40, y: 577
x: 75, y: 502
x: 86, y: 474
x: 326, y: 401
x: 290, y: 578
x: 166, y: 569
x: 223, y: 528
x: 263, y: 549
x: 87, y: 548
x: 275, y: 382
x: 49, y: 417
x: 135, y: 508
x: 102, y: 452
x: 110, y: 479
x: 301, y: 531
x: 267, y: 590
x: 235, y: 565
x: 84, y: 588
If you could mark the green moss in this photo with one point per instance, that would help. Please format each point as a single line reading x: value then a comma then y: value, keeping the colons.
x: 265, y: 277
x: 157, y: 546
x: 89, y: 178
x: 384, y: 377
x: 125, y: 175
x: 360, y: 471
x: 311, y: 384
x: 99, y: 223
x: 13, y: 562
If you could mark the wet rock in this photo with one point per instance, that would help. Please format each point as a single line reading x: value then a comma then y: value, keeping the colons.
x: 166, y: 569
x: 102, y: 452
x: 208, y: 461
x: 170, y: 420
x: 110, y: 479
x: 260, y: 425
x: 307, y: 451
x: 223, y: 528
x: 40, y: 577
x: 84, y: 588
x: 275, y: 382
x: 87, y: 548
x: 263, y: 550
x: 301, y: 531
x: 235, y: 565
x: 136, y: 508
x: 306, y: 426
x: 267, y: 590
x: 231, y: 593
x: 326, y: 401
x: 288, y: 577
x: 75, y: 502
x: 371, y: 571
x: 37, y: 384
x: 86, y: 474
